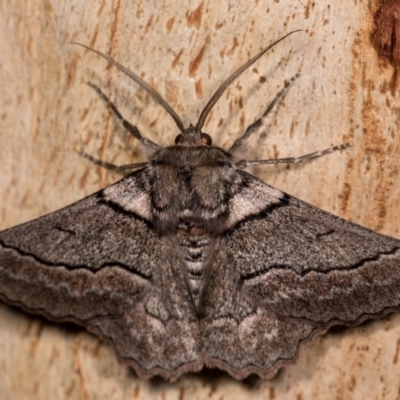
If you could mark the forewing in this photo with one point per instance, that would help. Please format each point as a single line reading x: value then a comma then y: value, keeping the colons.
x: 99, y: 263
x: 287, y: 273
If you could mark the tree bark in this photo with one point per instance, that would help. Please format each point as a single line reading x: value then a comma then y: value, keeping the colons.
x: 185, y: 51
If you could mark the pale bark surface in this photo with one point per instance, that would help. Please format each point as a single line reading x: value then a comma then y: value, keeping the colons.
x: 185, y: 50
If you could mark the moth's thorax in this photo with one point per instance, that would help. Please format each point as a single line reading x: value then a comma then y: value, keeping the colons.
x: 191, y: 184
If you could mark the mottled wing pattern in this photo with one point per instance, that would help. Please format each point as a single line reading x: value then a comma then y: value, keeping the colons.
x: 280, y: 274
x: 101, y: 265
x: 287, y: 273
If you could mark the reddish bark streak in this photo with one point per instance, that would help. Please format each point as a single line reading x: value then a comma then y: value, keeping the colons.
x: 386, y: 37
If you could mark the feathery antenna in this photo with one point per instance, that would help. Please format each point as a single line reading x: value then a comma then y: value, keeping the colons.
x: 236, y: 74
x: 144, y: 85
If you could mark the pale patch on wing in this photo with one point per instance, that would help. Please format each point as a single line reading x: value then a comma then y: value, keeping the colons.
x: 248, y: 328
x: 129, y: 195
x: 251, y: 201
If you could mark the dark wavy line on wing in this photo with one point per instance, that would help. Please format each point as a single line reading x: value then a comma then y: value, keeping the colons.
x: 322, y: 272
x: 103, y: 266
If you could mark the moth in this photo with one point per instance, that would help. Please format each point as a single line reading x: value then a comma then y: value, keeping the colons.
x: 190, y: 261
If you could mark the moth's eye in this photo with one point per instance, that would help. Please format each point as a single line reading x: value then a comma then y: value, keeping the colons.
x: 178, y: 138
x: 206, y: 139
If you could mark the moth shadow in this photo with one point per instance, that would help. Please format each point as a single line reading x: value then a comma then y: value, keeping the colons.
x: 214, y: 379
x: 15, y: 312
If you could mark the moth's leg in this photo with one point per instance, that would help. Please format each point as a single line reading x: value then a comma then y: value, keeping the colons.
x: 261, y: 121
x: 132, y: 129
x: 123, y: 169
x: 293, y: 160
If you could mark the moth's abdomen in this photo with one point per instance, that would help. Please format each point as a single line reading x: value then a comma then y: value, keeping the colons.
x: 195, y: 250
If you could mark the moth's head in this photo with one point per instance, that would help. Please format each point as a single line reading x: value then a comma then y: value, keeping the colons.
x: 193, y: 136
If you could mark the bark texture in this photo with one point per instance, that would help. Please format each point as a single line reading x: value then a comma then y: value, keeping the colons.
x: 185, y: 50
